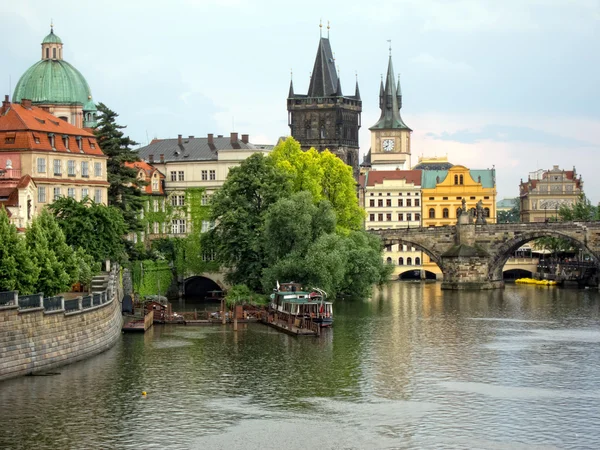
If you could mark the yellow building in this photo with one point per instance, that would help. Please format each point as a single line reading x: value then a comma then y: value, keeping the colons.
x: 443, y: 192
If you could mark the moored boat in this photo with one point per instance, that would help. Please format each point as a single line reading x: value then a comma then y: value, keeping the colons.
x: 302, y: 305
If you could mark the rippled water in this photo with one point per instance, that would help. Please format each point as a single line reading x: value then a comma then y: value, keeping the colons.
x: 414, y: 367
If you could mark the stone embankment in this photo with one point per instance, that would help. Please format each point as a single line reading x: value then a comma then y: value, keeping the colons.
x: 38, y: 334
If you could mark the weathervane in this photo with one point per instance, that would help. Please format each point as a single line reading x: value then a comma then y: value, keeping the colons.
x: 328, y: 29
x: 390, y: 42
x: 320, y: 27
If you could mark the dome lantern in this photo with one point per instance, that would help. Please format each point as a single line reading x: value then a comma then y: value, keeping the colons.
x: 52, y: 46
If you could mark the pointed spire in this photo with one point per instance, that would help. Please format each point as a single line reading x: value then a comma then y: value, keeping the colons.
x: 291, y: 93
x: 390, y: 102
x: 399, y: 93
x: 324, y: 79
x: 338, y: 89
x: 356, y: 91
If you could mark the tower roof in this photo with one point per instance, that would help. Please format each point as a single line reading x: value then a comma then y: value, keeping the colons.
x: 52, y: 38
x: 390, y: 102
x: 324, y: 79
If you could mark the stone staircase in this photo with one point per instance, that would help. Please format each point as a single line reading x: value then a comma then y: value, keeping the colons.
x: 100, y: 282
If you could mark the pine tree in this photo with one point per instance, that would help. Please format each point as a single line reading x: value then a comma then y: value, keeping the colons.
x: 125, y: 188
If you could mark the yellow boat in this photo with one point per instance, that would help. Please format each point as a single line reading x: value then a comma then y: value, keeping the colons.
x: 536, y: 282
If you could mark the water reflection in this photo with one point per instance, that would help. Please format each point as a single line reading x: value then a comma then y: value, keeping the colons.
x: 412, y: 367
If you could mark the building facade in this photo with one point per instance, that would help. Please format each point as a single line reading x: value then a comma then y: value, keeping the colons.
x: 392, y: 199
x: 60, y: 159
x: 191, y: 163
x: 390, y: 136
x: 57, y: 87
x: 545, y: 191
x: 325, y: 118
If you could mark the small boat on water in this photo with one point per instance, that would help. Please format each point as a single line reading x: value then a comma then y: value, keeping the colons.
x: 308, y: 305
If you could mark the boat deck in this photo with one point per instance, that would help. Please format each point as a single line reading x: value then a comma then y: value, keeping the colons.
x: 290, y: 329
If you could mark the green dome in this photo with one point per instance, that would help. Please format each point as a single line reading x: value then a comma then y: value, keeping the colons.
x: 52, y: 81
x: 52, y: 39
x: 90, y: 105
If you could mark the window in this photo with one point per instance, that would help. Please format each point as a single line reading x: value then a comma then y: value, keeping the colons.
x: 388, y: 194
x: 401, y: 261
x: 380, y: 217
x: 54, y: 53
x: 79, y: 143
x: 178, y: 226
x: 372, y: 202
x: 431, y: 213
x: 71, y: 168
x: 417, y: 203
x: 409, y: 217
x: 372, y: 217
x: 446, y: 198
x: 85, y: 193
x: 409, y: 261
x: 155, y: 205
x: 445, y: 213
x: 178, y: 200
x: 97, y: 169
x: 47, y: 53
x: 486, y: 212
x: 204, y: 200
x: 41, y: 165
x: 71, y: 192
x: 155, y: 181
x: 56, y: 193
x: 173, y: 175
x: 208, y: 256
x: 455, y: 179
x: 36, y: 139
x: 431, y: 198
x: 213, y: 175
x: 388, y: 217
x: 51, y: 138
x: 155, y: 227
x: 57, y: 167
x: 66, y: 141
x: 204, y: 175
x: 380, y: 202
x: 180, y: 177
x: 400, y: 202
x: 98, y: 195
x: 408, y: 202
x: 92, y: 145
x: 85, y: 169
x: 388, y: 202
x: 400, y: 217
x: 472, y: 198
x: 461, y: 179
x: 207, y: 226
x: 486, y: 198
x: 417, y: 216
x: 41, y: 194
x: 417, y: 261
x: 9, y: 140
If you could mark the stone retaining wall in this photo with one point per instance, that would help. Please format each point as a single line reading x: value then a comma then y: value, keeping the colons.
x: 35, y: 340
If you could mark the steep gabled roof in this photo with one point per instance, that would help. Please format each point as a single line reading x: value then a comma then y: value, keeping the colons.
x: 324, y: 79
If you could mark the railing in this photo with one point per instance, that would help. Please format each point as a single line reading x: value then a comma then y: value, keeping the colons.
x: 72, y: 305
x: 86, y: 302
x: 31, y: 301
x: 10, y: 298
x: 54, y: 303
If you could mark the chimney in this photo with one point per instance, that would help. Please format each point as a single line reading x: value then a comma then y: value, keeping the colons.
x: 179, y: 140
x: 5, y: 105
x: 191, y: 137
x: 151, y: 158
x: 245, y: 138
x: 234, y: 138
x: 26, y: 103
x: 162, y: 158
x: 211, y: 140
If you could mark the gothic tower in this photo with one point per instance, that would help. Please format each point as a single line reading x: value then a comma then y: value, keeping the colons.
x: 390, y: 136
x: 325, y: 118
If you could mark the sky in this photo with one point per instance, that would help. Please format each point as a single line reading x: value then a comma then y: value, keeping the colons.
x: 511, y: 84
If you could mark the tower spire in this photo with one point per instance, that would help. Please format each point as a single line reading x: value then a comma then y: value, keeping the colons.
x: 390, y: 101
x: 356, y: 91
x: 291, y: 93
x: 399, y: 93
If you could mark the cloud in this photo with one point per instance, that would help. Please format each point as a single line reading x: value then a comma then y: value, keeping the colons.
x: 508, y: 133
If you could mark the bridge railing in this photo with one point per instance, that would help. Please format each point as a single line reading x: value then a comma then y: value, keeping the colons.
x: 54, y: 303
x: 9, y: 298
x: 31, y: 301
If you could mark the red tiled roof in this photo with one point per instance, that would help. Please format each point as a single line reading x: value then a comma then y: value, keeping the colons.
x: 378, y: 176
x: 148, y: 173
x: 30, y: 128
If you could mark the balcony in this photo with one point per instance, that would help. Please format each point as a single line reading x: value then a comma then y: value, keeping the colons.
x: 7, y: 174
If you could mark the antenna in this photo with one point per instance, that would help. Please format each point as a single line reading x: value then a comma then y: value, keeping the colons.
x: 390, y: 42
x: 320, y: 28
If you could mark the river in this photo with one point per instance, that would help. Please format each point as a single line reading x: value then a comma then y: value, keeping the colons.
x: 413, y: 367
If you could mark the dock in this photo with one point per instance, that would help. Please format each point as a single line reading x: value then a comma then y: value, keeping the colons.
x: 296, y: 328
x: 139, y: 325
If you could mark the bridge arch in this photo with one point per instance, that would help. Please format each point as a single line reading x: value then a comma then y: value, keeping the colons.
x: 434, y: 256
x: 197, y: 286
x: 505, y: 250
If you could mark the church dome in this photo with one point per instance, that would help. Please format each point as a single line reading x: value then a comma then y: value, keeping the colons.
x: 52, y: 38
x: 52, y: 81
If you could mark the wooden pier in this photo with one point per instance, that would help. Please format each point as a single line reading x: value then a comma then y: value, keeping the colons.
x: 139, y: 325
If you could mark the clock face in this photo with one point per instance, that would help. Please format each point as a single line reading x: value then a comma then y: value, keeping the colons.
x: 388, y: 145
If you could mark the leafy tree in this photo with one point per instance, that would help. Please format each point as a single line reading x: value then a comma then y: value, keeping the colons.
x: 17, y: 270
x: 58, y: 244
x: 96, y: 228
x: 53, y: 273
x: 238, y: 211
x: 88, y: 267
x: 325, y: 176
x: 237, y: 295
x: 125, y: 188
x: 581, y: 210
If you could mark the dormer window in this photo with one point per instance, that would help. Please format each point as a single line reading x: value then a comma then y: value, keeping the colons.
x: 51, y: 138
x: 79, y: 143
x: 66, y: 141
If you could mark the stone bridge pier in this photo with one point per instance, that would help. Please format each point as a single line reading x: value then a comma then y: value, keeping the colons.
x: 471, y: 256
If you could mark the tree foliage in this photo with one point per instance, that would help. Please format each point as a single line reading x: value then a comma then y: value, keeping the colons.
x: 325, y: 176
x: 17, y: 270
x: 124, y: 191
x: 582, y: 211
x: 98, y: 229
x: 513, y: 215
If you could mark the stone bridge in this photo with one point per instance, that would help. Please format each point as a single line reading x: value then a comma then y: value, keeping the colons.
x: 472, y: 256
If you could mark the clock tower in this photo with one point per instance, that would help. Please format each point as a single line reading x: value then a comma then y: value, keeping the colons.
x: 390, y: 136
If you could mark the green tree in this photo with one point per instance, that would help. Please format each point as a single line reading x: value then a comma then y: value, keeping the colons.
x: 237, y: 295
x: 17, y: 270
x: 96, y: 228
x: 87, y: 265
x: 58, y: 244
x: 582, y: 210
x: 53, y: 276
x: 125, y: 188
x: 513, y: 215
x: 325, y: 176
x: 238, y: 210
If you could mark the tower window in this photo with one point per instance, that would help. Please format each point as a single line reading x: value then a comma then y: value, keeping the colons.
x: 455, y: 179
x: 461, y: 179
x: 47, y: 53
x: 54, y: 53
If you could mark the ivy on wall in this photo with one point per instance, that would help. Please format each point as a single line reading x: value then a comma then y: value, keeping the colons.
x: 151, y: 277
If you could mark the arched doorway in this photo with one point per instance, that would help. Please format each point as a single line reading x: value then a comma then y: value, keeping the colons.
x: 197, y: 288
x: 515, y: 274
